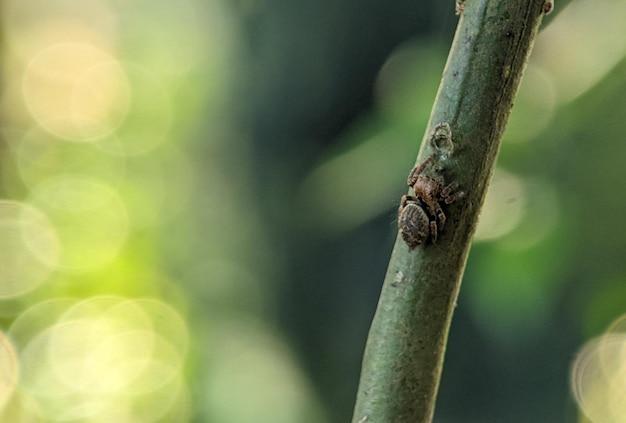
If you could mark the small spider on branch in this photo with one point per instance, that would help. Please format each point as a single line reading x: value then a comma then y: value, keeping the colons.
x: 421, y: 216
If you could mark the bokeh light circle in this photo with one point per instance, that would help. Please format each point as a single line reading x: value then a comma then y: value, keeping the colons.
x: 40, y: 155
x: 91, y: 220
x: 149, y: 117
x: 103, y: 342
x: 504, y: 208
x: 36, y: 318
x: 598, y: 378
x: 32, y: 25
x: 534, y: 106
x: 76, y: 91
x: 103, y: 359
x: 618, y: 326
x: 20, y: 408
x: 29, y: 248
x: 8, y: 369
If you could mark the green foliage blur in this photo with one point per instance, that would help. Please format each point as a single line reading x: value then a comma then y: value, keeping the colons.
x: 198, y: 205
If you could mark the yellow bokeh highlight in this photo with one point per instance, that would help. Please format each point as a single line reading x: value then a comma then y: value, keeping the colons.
x: 598, y: 376
x: 148, y: 118
x: 96, y: 334
x: 618, y: 326
x: 103, y: 359
x: 580, y: 47
x: 76, y: 91
x: 100, y: 97
x: 20, y: 408
x: 90, y: 218
x: 29, y: 248
x: 504, y: 206
x: 32, y: 25
x: 8, y: 369
x: 534, y: 107
x: 540, y: 217
x: 38, y: 156
x: 36, y: 318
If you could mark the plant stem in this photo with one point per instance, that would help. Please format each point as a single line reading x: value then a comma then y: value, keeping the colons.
x: 405, y: 349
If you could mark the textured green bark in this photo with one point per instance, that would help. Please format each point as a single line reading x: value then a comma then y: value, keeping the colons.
x: 405, y: 349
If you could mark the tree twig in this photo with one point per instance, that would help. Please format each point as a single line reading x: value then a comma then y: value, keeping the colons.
x: 405, y: 349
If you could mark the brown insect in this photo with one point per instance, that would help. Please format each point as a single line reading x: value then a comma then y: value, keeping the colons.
x: 421, y: 217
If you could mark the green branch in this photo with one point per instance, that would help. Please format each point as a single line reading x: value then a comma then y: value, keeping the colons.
x: 405, y: 349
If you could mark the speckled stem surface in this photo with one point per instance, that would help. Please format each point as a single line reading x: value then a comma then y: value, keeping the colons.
x: 405, y: 349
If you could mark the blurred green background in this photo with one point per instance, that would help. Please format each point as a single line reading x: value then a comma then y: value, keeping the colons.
x: 199, y: 197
